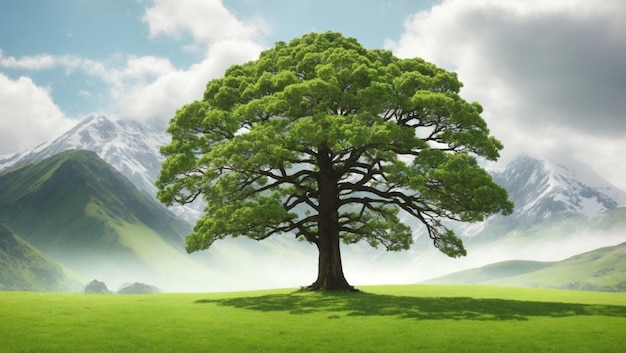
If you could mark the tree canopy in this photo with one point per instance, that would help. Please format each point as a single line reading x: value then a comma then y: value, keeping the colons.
x: 329, y: 141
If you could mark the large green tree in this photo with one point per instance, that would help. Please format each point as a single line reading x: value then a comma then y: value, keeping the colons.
x: 328, y: 141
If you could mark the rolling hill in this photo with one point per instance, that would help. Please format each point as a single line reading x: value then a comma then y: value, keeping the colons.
x: 25, y: 268
x: 602, y: 269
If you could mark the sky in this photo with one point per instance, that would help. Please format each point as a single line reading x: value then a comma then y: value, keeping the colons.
x: 550, y: 74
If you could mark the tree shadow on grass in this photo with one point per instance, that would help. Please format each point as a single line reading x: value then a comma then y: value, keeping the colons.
x: 421, y: 308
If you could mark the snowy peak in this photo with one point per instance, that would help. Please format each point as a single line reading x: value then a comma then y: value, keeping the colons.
x: 101, y: 125
x: 543, y: 189
x: 129, y: 146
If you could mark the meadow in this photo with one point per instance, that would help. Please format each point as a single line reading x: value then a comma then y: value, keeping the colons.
x: 408, y: 318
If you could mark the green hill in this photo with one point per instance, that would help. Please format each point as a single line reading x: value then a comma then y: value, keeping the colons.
x: 491, y: 272
x: 25, y: 268
x: 81, y: 212
x: 602, y: 269
x: 72, y: 183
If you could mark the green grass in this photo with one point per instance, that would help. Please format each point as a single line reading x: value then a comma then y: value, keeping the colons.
x: 380, y: 319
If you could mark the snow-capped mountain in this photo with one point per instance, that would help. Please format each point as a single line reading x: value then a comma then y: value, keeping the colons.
x: 129, y: 146
x: 561, y: 209
x: 543, y: 189
x: 545, y: 192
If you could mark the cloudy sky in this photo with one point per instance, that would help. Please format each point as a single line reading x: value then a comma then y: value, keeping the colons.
x: 551, y: 74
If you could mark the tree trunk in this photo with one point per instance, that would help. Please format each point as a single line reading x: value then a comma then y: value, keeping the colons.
x: 330, y: 270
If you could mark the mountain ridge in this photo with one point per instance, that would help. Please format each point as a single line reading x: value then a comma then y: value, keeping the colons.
x: 82, y: 174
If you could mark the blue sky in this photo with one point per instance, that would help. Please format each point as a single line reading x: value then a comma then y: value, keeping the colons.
x: 549, y: 73
x: 110, y: 31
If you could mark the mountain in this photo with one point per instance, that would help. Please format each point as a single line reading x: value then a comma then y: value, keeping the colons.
x: 562, y: 209
x: 25, y: 268
x: 74, y: 183
x: 130, y: 146
x: 554, y: 202
x: 543, y: 189
x: 544, y: 192
x: 602, y: 269
x: 81, y: 212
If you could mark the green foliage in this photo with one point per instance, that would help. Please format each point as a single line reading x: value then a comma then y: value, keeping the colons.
x: 321, y: 129
x: 380, y: 319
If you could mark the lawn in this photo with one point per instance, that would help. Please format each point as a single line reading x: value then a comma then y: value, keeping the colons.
x: 380, y: 319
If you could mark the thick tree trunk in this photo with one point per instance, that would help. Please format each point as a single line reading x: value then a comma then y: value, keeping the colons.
x: 330, y: 270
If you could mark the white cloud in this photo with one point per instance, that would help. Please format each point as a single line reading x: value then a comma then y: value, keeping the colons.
x: 549, y: 73
x: 152, y: 87
x: 47, y: 61
x: 38, y: 62
x: 171, y: 89
x: 147, y: 66
x: 149, y: 86
x: 205, y: 20
x: 29, y: 116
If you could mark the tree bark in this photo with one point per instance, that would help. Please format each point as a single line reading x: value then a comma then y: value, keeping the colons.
x: 330, y: 269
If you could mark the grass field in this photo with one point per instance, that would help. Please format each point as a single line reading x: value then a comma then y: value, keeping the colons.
x: 379, y: 319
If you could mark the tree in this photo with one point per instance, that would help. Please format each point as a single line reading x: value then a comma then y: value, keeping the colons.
x: 331, y: 142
